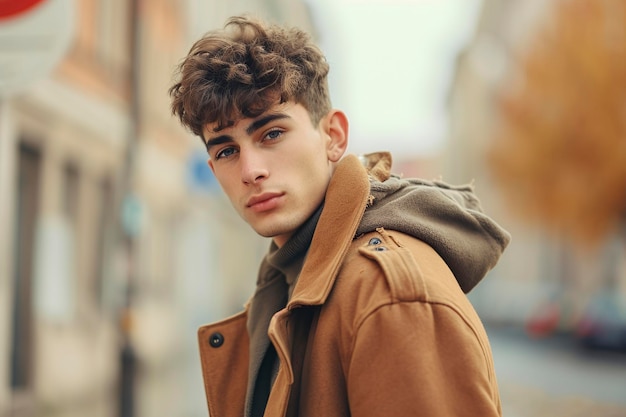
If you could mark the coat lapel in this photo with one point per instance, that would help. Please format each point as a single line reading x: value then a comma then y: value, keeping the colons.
x: 346, y: 200
x: 224, y: 359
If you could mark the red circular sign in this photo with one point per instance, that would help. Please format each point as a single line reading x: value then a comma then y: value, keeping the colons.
x: 12, y: 8
x: 34, y: 37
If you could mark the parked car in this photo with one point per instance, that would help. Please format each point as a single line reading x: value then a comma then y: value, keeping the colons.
x: 603, y: 325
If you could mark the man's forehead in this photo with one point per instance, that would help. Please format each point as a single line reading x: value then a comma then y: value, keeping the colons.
x: 217, y: 127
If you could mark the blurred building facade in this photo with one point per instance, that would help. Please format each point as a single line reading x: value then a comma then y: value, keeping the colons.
x: 113, y: 231
x: 546, y: 283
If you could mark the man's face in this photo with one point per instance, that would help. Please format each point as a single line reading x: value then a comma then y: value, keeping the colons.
x: 275, y: 168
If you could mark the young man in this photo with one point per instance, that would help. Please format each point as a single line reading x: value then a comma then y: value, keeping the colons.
x: 360, y: 307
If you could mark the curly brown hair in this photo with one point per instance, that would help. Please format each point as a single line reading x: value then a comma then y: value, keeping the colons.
x: 245, y: 68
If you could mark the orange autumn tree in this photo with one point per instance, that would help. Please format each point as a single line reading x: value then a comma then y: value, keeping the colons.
x: 560, y: 152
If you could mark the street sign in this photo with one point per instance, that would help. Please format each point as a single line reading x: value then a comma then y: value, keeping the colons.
x: 200, y: 178
x: 12, y: 8
x: 34, y: 37
x: 133, y: 215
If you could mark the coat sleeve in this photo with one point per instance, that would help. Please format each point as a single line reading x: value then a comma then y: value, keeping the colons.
x: 421, y: 359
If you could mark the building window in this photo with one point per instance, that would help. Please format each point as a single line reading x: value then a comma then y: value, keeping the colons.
x: 70, y: 193
x: 104, y: 240
x: 26, y: 214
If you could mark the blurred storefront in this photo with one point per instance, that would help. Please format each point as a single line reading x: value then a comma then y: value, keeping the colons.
x: 115, y: 241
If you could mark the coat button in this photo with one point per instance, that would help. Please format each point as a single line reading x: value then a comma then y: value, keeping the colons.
x: 216, y: 340
x: 374, y: 241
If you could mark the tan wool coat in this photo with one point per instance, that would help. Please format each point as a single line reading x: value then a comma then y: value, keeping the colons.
x: 377, y: 325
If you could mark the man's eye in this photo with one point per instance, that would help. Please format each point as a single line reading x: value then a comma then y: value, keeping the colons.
x: 273, y: 134
x: 225, y: 153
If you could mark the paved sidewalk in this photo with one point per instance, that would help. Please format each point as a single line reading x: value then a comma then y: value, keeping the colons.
x: 555, y: 377
x: 521, y: 401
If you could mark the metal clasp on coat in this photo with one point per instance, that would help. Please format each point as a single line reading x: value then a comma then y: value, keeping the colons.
x: 376, y: 242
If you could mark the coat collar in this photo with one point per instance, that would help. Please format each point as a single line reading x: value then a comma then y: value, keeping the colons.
x: 346, y: 199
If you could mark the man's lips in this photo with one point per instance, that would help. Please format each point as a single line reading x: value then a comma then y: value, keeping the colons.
x: 263, y: 202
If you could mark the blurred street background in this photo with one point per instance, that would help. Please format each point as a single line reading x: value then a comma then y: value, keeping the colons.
x: 116, y: 242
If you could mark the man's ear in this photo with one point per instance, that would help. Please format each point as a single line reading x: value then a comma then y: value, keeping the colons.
x: 336, y: 127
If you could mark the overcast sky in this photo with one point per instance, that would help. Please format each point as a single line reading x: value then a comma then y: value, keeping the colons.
x: 391, y: 65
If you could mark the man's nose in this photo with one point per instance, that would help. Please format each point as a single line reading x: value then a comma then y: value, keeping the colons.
x: 253, y: 168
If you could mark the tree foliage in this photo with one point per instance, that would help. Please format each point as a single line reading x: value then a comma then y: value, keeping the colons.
x: 560, y: 150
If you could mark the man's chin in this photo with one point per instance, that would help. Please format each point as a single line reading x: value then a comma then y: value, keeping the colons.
x: 278, y: 234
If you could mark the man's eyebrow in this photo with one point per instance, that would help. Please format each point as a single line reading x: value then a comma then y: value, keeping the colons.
x: 259, y: 123
x: 218, y: 140
x: 254, y: 126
